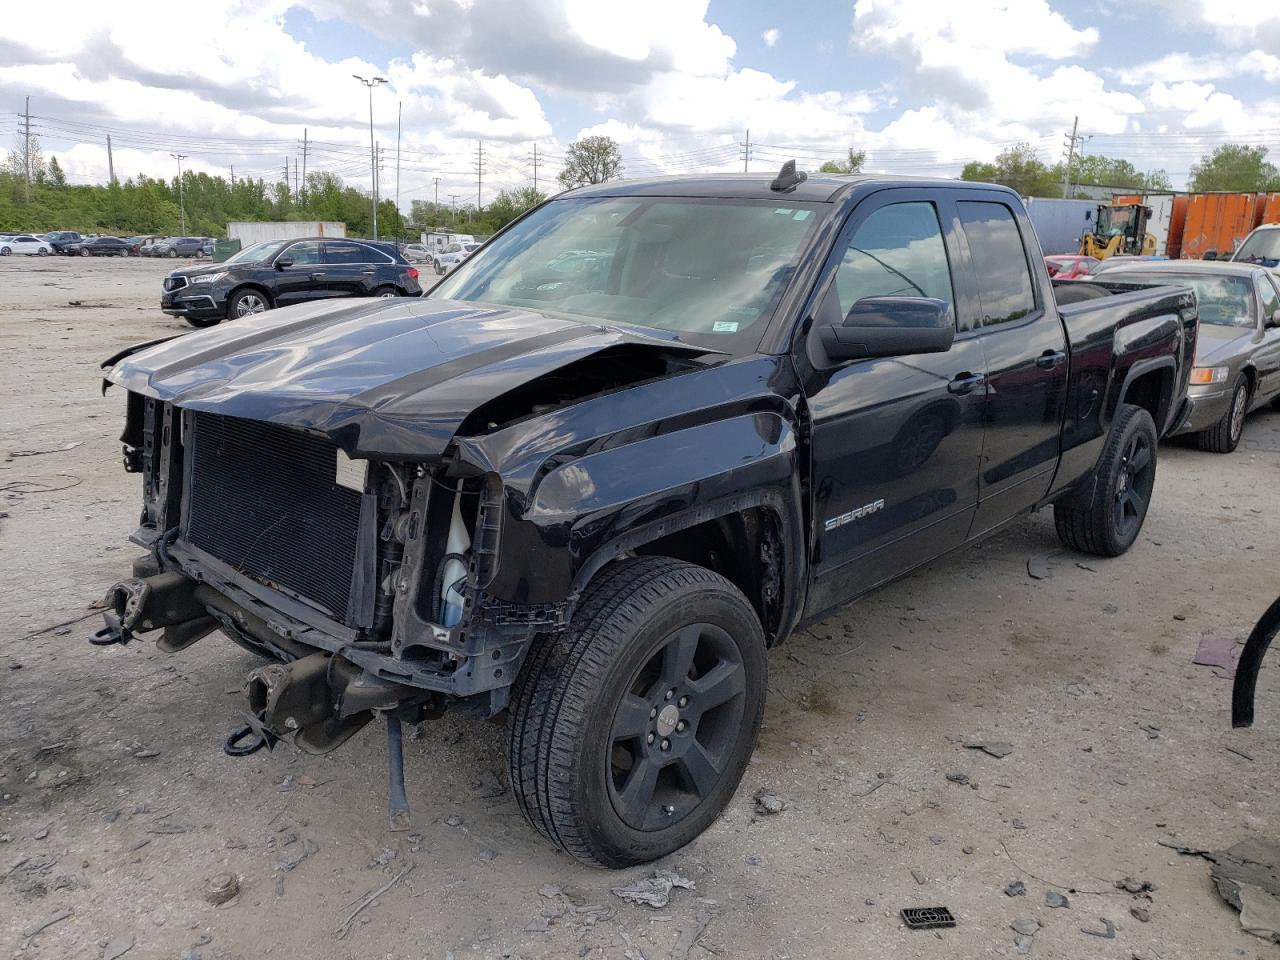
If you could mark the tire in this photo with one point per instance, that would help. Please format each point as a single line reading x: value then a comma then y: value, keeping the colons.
x: 124, y: 253
x: 245, y: 303
x: 201, y: 323
x: 173, y: 254
x: 1126, y: 476
x: 5, y: 251
x: 640, y: 632
x: 43, y: 251
x: 84, y: 251
x: 385, y: 292
x: 1224, y: 436
x: 439, y: 270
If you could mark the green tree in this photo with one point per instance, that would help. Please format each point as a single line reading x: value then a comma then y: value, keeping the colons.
x: 1236, y: 167
x: 852, y: 164
x: 590, y: 160
x: 56, y: 178
x: 1019, y: 167
x: 509, y: 204
x: 1097, y: 170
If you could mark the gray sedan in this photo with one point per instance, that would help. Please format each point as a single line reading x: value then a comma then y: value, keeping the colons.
x: 1237, y: 366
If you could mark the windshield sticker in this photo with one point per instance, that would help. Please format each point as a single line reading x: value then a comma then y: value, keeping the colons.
x: 725, y: 326
x: 802, y: 215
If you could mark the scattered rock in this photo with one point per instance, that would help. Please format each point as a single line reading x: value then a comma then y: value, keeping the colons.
x: 958, y: 777
x: 1053, y: 898
x: 221, y: 887
x: 967, y: 850
x: 1019, y: 824
x: 549, y: 890
x: 920, y: 878
x: 1022, y: 943
x: 1132, y: 885
x: 654, y: 891
x: 1027, y: 926
x: 486, y: 854
x: 453, y: 821
x: 1016, y: 889
x: 1247, y: 876
x: 117, y: 947
x: 537, y: 925
x: 1141, y: 914
x: 768, y: 804
x: 993, y: 748
x: 690, y: 936
x: 146, y: 754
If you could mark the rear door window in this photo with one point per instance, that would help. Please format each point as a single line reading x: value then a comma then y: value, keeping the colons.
x: 348, y: 253
x: 999, y: 260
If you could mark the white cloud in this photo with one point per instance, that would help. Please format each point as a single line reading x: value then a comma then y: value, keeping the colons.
x: 770, y: 37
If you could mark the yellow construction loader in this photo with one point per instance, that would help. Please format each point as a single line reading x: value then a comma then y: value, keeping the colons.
x: 1119, y: 229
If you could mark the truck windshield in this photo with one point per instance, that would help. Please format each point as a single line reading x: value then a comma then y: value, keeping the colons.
x: 1262, y: 247
x: 1222, y: 301
x: 711, y: 270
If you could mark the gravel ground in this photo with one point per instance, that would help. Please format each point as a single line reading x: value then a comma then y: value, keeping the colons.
x: 117, y: 804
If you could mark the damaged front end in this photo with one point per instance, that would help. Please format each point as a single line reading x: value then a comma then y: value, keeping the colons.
x: 359, y: 580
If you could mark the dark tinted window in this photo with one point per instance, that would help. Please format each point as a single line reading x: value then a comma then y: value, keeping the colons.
x: 349, y: 253
x: 999, y: 261
x: 896, y: 252
x: 304, y: 253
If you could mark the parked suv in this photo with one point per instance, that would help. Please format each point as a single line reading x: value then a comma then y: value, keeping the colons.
x: 180, y: 247
x: 59, y: 239
x: 278, y: 273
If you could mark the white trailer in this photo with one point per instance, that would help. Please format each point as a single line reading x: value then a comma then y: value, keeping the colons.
x: 435, y: 241
x: 249, y: 232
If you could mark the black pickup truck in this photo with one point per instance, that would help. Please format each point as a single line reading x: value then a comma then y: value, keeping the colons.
x: 645, y: 433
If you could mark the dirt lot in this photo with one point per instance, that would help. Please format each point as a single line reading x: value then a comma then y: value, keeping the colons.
x: 118, y: 803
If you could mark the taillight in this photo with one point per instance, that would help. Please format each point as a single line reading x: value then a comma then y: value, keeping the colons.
x: 413, y: 272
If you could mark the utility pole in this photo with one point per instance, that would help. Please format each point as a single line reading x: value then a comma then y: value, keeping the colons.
x: 373, y: 153
x: 479, y: 173
x: 111, y: 167
x: 182, y: 202
x: 453, y: 210
x: 304, y: 154
x: 535, y: 166
x: 436, y: 182
x: 399, y: 115
x: 746, y: 152
x: 297, y: 185
x: 233, y: 176
x: 26, y: 150
x: 1072, y: 137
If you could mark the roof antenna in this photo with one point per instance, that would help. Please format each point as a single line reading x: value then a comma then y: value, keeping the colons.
x: 788, y: 178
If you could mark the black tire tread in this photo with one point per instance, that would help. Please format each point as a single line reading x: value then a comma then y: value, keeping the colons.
x: 550, y: 696
x: 1217, y: 439
x: 1087, y: 529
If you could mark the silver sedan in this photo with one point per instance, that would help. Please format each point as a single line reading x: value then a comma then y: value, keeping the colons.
x: 1237, y: 365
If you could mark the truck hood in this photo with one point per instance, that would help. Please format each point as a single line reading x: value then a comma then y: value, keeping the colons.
x: 388, y: 378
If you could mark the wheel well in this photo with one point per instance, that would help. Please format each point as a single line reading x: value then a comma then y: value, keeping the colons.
x: 745, y: 548
x: 1251, y: 375
x: 1151, y: 392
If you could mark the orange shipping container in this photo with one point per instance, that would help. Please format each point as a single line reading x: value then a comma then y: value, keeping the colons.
x: 1272, y: 212
x: 1218, y: 221
x: 1177, y: 224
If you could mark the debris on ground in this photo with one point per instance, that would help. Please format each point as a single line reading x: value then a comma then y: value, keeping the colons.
x: 58, y: 917
x: 296, y: 856
x: 1141, y: 914
x: 537, y: 925
x: 992, y: 748
x: 549, y: 890
x: 1041, y: 567
x: 1016, y: 889
x: 220, y: 888
x: 919, y: 877
x: 1247, y: 875
x: 690, y: 936
x: 345, y: 927
x: 1053, y: 898
x: 1218, y: 649
x: 960, y: 778
x: 925, y: 918
x: 42, y: 452
x: 1133, y: 885
x: 1108, y: 931
x: 653, y: 891
x: 768, y: 804
x: 1025, y: 929
x: 117, y: 947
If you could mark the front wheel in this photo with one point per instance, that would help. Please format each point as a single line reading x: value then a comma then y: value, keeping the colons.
x: 385, y: 293
x: 84, y: 251
x: 1126, y: 476
x: 5, y: 251
x: 43, y: 251
x: 245, y: 303
x: 631, y: 730
x: 173, y: 254
x: 1224, y: 436
x: 124, y: 253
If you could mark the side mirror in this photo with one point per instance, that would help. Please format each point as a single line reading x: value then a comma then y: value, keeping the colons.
x: 891, y: 327
x: 282, y: 262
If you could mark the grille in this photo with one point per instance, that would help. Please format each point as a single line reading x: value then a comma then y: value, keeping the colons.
x: 174, y: 283
x: 263, y: 499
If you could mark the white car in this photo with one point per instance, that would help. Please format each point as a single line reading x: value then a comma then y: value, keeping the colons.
x: 416, y: 253
x: 452, y: 255
x: 25, y: 243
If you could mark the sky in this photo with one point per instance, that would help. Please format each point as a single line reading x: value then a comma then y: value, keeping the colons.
x: 922, y: 86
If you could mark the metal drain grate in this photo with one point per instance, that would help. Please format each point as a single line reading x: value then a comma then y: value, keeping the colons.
x: 927, y: 918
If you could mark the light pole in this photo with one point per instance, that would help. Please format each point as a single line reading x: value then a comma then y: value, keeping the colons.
x: 373, y: 151
x: 182, y: 204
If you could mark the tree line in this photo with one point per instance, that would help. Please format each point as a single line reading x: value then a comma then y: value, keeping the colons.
x: 144, y: 205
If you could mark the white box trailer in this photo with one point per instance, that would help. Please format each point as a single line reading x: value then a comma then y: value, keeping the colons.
x: 436, y: 241
x: 249, y: 232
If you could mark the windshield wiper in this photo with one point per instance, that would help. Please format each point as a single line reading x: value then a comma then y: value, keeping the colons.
x: 894, y: 270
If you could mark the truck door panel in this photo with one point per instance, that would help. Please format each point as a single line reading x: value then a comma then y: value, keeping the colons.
x: 1027, y: 363
x: 895, y: 441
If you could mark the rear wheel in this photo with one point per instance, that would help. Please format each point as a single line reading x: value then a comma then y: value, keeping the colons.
x: 124, y: 253
x: 84, y: 251
x: 1224, y: 436
x: 385, y: 292
x: 173, y: 254
x: 631, y: 731
x: 202, y: 322
x: 1126, y: 476
x: 245, y: 303
x: 5, y: 251
x: 43, y: 251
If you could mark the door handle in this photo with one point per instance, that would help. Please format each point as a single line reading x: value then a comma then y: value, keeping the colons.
x: 1050, y: 359
x: 317, y: 276
x: 965, y: 382
x: 367, y: 273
